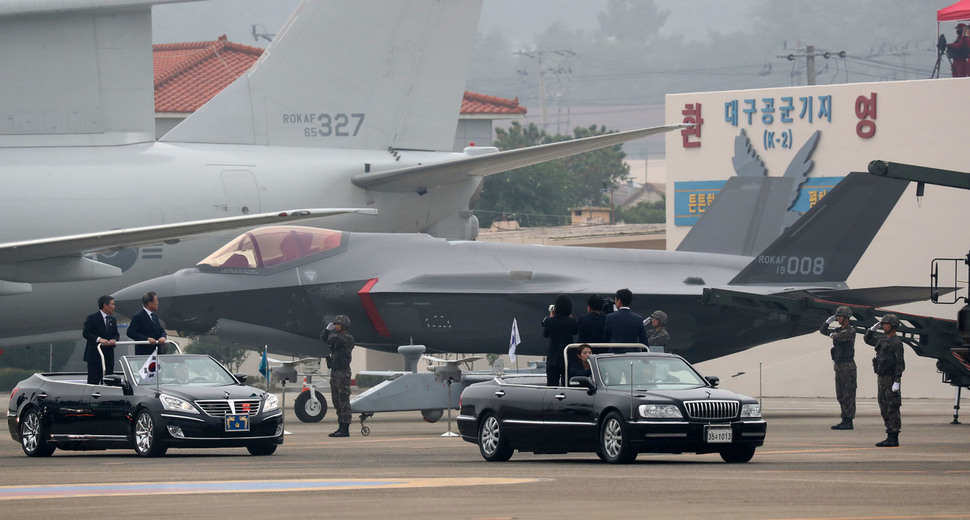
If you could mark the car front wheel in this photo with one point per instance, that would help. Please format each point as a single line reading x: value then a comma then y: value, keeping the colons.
x: 33, y: 436
x: 737, y: 454
x: 146, y: 435
x: 491, y: 440
x: 615, y: 445
x: 261, y: 449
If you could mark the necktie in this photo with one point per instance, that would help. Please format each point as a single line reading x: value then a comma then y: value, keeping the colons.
x: 155, y: 321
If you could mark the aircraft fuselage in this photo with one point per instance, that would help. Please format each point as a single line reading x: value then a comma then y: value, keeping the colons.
x: 62, y: 191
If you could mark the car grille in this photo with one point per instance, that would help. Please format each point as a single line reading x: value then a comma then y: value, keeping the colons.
x: 712, y: 409
x: 223, y: 407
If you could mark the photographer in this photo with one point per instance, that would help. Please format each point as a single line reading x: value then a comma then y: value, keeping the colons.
x: 958, y: 52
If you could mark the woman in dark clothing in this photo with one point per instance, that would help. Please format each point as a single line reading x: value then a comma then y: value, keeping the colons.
x: 579, y: 365
x: 560, y: 328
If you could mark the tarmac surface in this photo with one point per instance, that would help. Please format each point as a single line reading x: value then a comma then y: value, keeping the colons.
x: 405, y: 469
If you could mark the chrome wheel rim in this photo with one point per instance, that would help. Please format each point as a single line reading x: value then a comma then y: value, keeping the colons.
x: 144, y: 433
x: 612, y: 438
x: 30, y: 432
x: 490, y: 434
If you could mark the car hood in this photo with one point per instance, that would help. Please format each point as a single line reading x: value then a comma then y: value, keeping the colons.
x: 690, y: 394
x: 213, y: 392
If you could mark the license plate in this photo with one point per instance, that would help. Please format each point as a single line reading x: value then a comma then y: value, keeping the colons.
x: 237, y: 423
x: 717, y: 434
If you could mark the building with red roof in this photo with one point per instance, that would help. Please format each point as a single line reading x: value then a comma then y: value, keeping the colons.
x: 189, y: 74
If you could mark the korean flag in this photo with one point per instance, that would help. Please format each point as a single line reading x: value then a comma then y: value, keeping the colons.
x: 150, y: 368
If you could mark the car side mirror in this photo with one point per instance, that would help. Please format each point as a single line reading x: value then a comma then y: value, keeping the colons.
x: 582, y: 381
x: 713, y: 380
x: 241, y: 377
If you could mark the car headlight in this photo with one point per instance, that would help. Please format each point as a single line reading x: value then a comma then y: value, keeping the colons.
x: 175, y: 404
x: 750, y: 410
x: 660, y: 411
x: 272, y: 403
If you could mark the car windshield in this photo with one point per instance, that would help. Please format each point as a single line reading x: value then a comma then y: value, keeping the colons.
x: 648, y: 373
x: 181, y: 370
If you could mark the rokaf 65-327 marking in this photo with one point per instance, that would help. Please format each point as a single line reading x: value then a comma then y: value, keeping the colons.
x: 326, y: 125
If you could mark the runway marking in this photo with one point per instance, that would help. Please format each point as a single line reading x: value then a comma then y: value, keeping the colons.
x: 243, y: 486
x: 906, y: 517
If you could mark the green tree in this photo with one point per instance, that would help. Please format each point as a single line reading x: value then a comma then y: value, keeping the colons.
x: 644, y: 213
x: 541, y: 195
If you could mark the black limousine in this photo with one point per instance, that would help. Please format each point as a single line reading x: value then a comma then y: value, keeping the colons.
x: 630, y: 403
x: 192, y: 402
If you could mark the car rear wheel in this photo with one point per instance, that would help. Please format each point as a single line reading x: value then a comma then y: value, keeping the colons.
x: 33, y: 436
x: 261, y: 449
x: 308, y: 411
x: 491, y: 440
x: 615, y: 445
x: 146, y: 435
x: 737, y: 454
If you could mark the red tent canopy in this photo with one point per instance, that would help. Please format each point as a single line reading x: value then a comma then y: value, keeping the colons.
x: 957, y: 11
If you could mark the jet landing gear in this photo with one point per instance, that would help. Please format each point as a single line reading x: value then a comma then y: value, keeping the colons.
x: 310, y: 405
x: 365, y: 430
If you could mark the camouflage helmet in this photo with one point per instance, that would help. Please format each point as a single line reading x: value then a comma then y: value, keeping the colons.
x: 342, y: 319
x: 891, y: 319
x: 661, y: 316
x: 842, y: 310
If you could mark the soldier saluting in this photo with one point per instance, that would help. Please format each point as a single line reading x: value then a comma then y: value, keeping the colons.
x: 341, y: 345
x: 889, y: 367
x: 843, y: 357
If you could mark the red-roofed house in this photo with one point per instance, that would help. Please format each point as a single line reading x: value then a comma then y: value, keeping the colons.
x: 189, y: 74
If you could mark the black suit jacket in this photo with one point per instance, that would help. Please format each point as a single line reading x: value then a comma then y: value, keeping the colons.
x: 141, y: 328
x: 624, y: 326
x: 94, y: 328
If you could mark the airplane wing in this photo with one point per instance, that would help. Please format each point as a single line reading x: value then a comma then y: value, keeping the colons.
x: 61, y: 257
x: 480, y: 163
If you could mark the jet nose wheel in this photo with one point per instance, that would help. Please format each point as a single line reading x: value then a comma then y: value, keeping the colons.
x: 309, y: 411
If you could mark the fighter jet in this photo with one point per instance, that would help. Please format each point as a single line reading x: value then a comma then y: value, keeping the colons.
x: 353, y: 105
x: 281, y: 285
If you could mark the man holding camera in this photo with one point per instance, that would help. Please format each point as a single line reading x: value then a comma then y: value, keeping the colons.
x: 958, y: 51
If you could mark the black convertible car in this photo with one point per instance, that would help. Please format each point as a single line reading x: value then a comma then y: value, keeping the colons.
x: 192, y: 402
x: 631, y: 403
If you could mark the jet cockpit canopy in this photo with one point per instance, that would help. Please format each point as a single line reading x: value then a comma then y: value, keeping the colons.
x: 272, y: 246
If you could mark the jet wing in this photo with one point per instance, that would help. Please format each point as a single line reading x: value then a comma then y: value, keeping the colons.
x: 425, y: 176
x: 37, y: 260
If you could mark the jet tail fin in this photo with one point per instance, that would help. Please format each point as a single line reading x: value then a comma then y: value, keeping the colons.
x: 826, y: 243
x: 363, y: 74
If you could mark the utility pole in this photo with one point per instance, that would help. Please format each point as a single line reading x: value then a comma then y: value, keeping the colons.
x: 542, y: 65
x: 809, y: 56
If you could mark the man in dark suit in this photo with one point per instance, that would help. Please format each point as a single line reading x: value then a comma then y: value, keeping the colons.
x: 100, y: 329
x: 145, y: 326
x: 624, y: 325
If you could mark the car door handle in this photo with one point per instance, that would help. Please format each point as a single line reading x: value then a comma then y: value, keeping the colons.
x: 96, y: 395
x: 560, y: 397
x: 499, y: 393
x: 42, y: 395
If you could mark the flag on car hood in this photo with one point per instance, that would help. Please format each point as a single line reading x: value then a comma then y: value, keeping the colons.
x: 150, y: 368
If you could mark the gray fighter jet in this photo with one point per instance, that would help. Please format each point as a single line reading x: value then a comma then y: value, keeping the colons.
x: 281, y: 285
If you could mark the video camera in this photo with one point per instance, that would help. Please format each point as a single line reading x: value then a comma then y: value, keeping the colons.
x: 941, y: 44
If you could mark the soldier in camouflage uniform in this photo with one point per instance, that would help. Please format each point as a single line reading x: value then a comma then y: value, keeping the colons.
x: 843, y: 355
x: 889, y: 367
x: 341, y: 344
x: 656, y: 326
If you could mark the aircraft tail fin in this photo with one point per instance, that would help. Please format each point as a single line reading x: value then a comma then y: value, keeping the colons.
x: 746, y: 216
x: 362, y: 74
x: 826, y: 243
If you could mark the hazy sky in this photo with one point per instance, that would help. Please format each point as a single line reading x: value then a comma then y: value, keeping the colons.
x: 520, y: 20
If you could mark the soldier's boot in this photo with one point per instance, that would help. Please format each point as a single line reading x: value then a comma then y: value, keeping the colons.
x: 846, y: 424
x: 892, y: 440
x: 343, y: 430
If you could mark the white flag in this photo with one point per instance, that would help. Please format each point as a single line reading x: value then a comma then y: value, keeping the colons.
x: 150, y: 368
x: 514, y: 340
